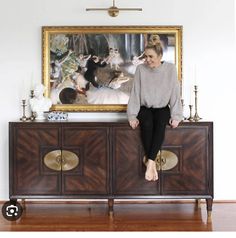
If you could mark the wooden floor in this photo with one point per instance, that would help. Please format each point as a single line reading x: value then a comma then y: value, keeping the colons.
x: 162, y: 216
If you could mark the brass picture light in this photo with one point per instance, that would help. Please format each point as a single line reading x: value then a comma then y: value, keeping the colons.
x: 113, y: 11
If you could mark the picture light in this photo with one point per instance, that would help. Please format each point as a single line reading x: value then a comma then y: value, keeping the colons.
x: 113, y: 11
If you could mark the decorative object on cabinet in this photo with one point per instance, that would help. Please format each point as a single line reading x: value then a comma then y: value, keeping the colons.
x: 191, y: 113
x: 39, y: 104
x: 23, y: 118
x: 32, y: 116
x: 107, y: 162
x: 113, y: 11
x: 57, y: 116
x: 68, y: 53
x: 196, y: 117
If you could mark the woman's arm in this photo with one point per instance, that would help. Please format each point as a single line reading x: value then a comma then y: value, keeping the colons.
x: 133, y: 106
x: 176, y: 109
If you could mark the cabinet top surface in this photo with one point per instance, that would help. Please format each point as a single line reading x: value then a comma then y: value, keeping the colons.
x: 100, y: 122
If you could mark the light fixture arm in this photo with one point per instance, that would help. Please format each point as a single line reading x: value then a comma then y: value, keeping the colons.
x: 113, y: 11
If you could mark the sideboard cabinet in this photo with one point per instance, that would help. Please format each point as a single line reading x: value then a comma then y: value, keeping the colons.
x: 104, y: 160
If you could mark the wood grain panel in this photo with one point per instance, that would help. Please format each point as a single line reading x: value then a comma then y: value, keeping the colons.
x: 94, y: 164
x: 128, y: 169
x: 30, y: 176
x: 193, y: 174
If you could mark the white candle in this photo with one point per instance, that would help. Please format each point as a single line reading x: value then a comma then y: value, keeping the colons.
x: 32, y: 81
x: 182, y: 88
x: 23, y: 90
x: 190, y: 95
x: 195, y: 74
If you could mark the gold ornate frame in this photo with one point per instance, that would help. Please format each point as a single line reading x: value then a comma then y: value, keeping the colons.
x: 48, y: 31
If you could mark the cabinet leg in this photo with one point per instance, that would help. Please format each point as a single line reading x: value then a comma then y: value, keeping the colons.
x: 13, y: 201
x: 198, y: 203
x: 110, y: 206
x: 209, y: 203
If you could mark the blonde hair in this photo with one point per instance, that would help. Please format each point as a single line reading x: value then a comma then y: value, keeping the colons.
x: 155, y: 44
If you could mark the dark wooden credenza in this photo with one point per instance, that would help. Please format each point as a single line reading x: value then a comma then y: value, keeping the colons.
x: 104, y: 160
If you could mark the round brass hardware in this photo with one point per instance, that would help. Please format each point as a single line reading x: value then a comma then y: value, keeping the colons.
x: 61, y: 160
x: 165, y: 160
x: 168, y: 160
x: 113, y: 11
x: 53, y: 160
x: 69, y: 160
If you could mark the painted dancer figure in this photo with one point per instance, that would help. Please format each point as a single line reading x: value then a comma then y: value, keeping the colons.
x: 90, y: 75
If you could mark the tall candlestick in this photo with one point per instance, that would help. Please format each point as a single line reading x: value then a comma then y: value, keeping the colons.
x: 191, y: 115
x: 23, y: 118
x: 196, y: 117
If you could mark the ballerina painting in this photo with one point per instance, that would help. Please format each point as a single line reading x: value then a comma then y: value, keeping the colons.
x: 85, y: 66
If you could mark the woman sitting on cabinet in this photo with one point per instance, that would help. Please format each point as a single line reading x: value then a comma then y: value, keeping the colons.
x: 154, y: 102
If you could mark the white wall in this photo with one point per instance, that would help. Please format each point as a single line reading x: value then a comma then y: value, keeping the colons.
x: 208, y: 43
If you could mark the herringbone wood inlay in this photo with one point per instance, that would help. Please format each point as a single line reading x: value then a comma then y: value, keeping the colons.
x: 192, y: 177
x: 93, y: 161
x: 129, y: 169
x: 28, y: 169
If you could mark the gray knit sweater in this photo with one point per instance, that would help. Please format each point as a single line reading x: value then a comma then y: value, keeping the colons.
x: 155, y: 88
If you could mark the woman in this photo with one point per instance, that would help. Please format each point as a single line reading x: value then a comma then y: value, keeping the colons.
x: 154, y: 102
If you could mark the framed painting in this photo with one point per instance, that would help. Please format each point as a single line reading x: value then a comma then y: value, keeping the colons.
x: 91, y: 68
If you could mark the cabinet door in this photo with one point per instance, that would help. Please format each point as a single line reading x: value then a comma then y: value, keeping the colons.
x: 128, y: 167
x: 192, y: 174
x: 91, y: 146
x: 29, y: 143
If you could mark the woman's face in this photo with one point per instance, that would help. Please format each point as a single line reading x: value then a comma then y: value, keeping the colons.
x: 152, y: 59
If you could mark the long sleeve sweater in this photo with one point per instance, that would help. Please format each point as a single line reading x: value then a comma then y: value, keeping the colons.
x: 155, y: 88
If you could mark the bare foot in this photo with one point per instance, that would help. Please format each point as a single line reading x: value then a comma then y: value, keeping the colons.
x: 151, y: 172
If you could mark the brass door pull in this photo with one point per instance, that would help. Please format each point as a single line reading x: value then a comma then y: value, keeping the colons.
x: 61, y: 160
x: 165, y: 160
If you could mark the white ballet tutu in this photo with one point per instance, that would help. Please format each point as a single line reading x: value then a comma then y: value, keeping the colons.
x: 106, y: 95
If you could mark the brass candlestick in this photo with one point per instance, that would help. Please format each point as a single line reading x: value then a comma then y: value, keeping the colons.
x: 191, y: 115
x: 32, y: 117
x: 31, y: 93
x: 196, y: 117
x: 23, y: 118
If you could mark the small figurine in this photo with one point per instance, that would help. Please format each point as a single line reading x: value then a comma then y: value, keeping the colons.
x: 40, y: 104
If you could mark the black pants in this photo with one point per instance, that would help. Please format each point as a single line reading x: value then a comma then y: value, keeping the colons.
x: 153, y: 123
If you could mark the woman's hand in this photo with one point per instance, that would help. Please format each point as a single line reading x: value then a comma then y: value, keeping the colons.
x: 134, y: 123
x: 173, y: 123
